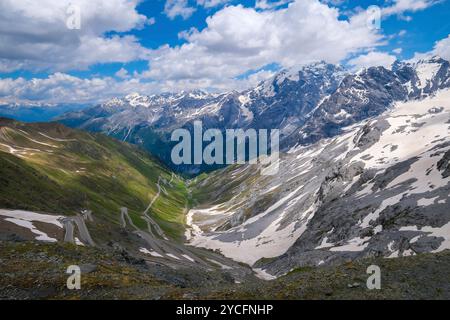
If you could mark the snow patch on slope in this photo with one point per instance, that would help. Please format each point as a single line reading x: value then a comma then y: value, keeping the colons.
x: 25, y: 219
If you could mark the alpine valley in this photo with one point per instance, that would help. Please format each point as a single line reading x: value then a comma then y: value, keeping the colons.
x: 364, y: 179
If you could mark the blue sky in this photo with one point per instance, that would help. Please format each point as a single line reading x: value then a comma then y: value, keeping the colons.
x: 150, y: 46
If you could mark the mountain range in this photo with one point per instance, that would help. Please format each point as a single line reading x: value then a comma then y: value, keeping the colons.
x: 36, y: 112
x: 306, y: 105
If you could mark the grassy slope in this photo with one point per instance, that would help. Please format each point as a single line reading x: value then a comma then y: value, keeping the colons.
x: 221, y: 185
x: 84, y: 171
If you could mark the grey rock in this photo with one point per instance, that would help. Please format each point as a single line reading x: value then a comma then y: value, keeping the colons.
x: 353, y: 285
x: 88, y: 268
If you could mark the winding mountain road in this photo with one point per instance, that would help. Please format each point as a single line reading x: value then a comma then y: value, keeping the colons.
x: 168, y: 252
x: 79, y: 221
x: 158, y: 247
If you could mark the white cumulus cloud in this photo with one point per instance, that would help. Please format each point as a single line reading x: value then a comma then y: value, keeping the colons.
x: 185, y: 8
x: 34, y: 34
x: 238, y: 39
x: 373, y: 59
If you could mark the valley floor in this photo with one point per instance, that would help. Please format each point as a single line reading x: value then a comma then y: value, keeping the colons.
x: 35, y: 270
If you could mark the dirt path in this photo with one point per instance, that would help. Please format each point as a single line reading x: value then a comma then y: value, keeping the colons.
x: 155, y: 197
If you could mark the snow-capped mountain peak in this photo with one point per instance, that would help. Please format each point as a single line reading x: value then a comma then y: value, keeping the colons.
x: 138, y: 100
x: 427, y: 70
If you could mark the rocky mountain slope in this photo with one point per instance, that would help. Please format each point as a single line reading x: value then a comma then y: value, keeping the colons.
x: 379, y: 189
